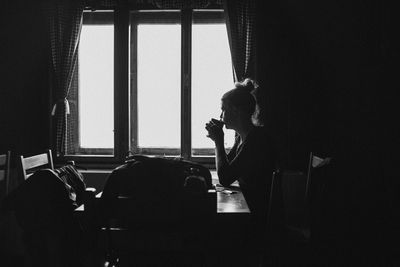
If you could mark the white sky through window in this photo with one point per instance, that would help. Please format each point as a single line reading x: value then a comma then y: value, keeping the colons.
x: 211, y: 78
x: 159, y: 85
x: 96, y: 83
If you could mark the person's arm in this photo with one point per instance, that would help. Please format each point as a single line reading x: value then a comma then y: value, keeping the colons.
x: 237, y: 167
x: 216, y: 133
x: 232, y: 154
x: 222, y: 164
x: 254, y: 155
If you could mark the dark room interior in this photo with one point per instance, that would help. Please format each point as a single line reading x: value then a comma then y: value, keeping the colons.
x: 328, y: 70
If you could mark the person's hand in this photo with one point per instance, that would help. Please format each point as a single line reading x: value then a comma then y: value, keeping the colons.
x: 215, y: 132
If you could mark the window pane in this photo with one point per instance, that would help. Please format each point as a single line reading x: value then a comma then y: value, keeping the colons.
x: 211, y: 78
x: 96, y: 85
x: 158, y: 84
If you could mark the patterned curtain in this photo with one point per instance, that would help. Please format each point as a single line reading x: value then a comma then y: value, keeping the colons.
x: 161, y: 4
x: 64, y: 20
x: 100, y: 4
x: 180, y: 4
x: 240, y: 23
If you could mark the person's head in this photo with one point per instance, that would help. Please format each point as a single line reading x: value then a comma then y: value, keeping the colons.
x: 239, y: 104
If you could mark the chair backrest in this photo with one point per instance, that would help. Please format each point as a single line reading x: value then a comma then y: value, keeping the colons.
x: 309, y: 170
x: 293, y: 194
x: 316, y: 180
x: 275, y: 213
x: 4, y: 172
x: 287, y: 197
x: 313, y: 163
x: 32, y: 163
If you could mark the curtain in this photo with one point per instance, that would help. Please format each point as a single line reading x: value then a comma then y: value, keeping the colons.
x: 240, y: 23
x: 180, y: 4
x: 161, y: 4
x: 64, y: 20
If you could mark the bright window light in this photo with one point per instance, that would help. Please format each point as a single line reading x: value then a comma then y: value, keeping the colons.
x: 159, y: 85
x: 211, y: 78
x: 96, y: 86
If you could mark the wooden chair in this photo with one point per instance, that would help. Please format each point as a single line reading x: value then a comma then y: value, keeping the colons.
x: 287, y: 199
x: 4, y: 173
x: 303, y: 205
x: 298, y: 196
x: 296, y: 247
x: 275, y: 202
x: 276, y: 238
x: 314, y: 163
x: 301, y: 194
x: 319, y: 171
x: 29, y: 164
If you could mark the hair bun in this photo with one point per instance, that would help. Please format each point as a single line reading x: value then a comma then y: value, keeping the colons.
x: 247, y: 84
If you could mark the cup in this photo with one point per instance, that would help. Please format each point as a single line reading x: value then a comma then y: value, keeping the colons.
x: 219, y: 123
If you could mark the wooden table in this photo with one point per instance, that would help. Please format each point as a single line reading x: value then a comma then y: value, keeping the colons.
x: 227, y: 203
x: 231, y: 202
x: 229, y: 228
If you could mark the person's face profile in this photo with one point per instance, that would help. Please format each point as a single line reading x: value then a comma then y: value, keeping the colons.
x: 226, y: 114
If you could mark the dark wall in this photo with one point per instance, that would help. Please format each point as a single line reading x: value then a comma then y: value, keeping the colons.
x: 24, y: 90
x: 24, y: 105
x: 328, y: 70
x: 321, y: 62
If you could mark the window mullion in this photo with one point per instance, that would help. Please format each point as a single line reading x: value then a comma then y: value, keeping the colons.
x: 186, y: 45
x: 121, y: 82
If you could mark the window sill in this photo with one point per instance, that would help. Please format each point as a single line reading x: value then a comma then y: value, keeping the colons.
x: 108, y: 162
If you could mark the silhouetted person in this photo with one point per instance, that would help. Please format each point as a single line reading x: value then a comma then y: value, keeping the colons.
x: 252, y: 158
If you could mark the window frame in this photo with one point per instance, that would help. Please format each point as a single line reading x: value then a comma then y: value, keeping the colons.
x: 125, y: 82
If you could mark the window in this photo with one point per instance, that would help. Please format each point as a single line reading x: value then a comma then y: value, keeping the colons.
x: 92, y: 91
x: 149, y: 82
x: 211, y: 78
x: 156, y: 83
x: 96, y: 84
